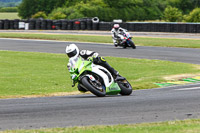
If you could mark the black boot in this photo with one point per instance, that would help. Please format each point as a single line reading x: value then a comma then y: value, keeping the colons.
x: 110, y: 69
x: 118, y: 78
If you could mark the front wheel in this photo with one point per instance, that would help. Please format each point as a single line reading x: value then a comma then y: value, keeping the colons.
x: 132, y: 44
x: 125, y: 86
x: 124, y: 45
x: 94, y: 87
x: 81, y: 89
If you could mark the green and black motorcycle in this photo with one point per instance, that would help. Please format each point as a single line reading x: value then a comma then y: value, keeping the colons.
x: 96, y: 79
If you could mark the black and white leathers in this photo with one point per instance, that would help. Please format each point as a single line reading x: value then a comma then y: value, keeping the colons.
x: 117, y: 34
x: 87, y: 53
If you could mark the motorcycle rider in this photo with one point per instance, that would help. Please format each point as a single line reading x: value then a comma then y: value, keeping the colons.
x: 73, y: 53
x: 117, y: 33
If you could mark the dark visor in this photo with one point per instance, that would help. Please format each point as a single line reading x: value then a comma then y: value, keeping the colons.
x: 71, y: 54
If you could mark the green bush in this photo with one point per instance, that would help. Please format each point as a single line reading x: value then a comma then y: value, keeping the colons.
x: 194, y: 16
x: 8, y: 9
x: 172, y: 14
x: 65, y: 13
x: 40, y: 15
x: 58, y: 15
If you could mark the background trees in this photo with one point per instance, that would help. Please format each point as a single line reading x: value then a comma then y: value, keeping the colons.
x: 172, y: 14
x: 30, y: 7
x: 184, y: 5
x: 107, y: 10
x: 9, y: 3
x: 194, y: 16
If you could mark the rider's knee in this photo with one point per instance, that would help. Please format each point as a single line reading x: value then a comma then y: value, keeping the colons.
x: 100, y: 60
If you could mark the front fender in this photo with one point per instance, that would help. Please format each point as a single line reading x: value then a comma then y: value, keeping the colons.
x: 89, y: 76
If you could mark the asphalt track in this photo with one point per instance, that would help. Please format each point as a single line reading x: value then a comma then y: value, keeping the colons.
x: 161, y: 104
x: 187, y: 55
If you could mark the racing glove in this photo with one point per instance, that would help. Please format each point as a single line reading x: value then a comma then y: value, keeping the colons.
x: 90, y: 58
x: 93, y: 59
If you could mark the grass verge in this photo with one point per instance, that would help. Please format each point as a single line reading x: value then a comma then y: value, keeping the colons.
x: 185, y: 126
x: 142, y: 41
x: 43, y: 74
x: 9, y: 16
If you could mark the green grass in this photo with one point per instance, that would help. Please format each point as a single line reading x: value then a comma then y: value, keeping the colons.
x: 32, y: 73
x: 27, y: 73
x: 142, y: 41
x: 168, y: 42
x: 10, y: 16
x: 186, y: 126
x: 80, y: 38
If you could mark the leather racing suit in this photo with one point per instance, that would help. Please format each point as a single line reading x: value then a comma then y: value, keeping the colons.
x: 86, y: 54
x: 117, y: 34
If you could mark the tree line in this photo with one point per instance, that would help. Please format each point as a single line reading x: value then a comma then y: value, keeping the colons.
x: 9, y: 3
x: 107, y: 10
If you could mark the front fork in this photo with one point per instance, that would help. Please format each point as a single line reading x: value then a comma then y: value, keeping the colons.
x: 73, y: 83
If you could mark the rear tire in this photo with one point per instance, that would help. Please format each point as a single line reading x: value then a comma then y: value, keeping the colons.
x: 92, y: 88
x: 125, y: 86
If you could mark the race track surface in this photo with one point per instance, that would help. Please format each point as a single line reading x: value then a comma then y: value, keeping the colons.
x: 187, y: 55
x: 175, y: 103
x: 161, y: 104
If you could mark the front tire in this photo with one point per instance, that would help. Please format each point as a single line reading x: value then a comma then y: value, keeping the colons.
x: 92, y: 88
x: 132, y: 44
x: 81, y: 89
x: 124, y: 45
x: 125, y: 86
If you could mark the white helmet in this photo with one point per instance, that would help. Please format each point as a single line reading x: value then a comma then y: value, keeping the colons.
x: 116, y: 26
x: 72, y: 51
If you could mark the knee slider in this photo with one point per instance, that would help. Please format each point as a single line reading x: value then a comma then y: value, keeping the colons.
x: 102, y: 59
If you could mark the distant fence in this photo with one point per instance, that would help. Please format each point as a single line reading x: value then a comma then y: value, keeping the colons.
x: 94, y: 24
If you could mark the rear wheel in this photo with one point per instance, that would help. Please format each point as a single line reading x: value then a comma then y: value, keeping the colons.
x: 125, y: 86
x: 94, y: 87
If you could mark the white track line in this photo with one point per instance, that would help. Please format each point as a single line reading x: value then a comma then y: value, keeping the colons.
x: 185, y: 89
x: 42, y: 40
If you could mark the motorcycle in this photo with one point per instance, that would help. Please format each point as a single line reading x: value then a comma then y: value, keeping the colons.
x: 96, y: 79
x: 125, y: 40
